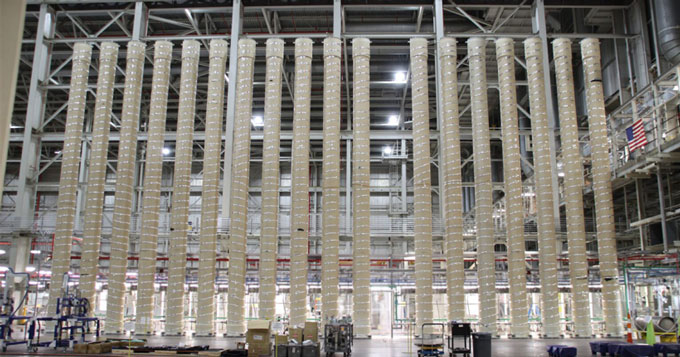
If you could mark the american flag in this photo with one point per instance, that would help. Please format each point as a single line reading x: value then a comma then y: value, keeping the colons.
x: 636, y: 136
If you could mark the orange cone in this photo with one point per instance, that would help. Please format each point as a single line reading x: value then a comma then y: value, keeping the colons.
x: 629, y: 337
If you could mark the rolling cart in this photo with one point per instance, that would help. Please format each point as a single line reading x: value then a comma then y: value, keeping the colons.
x: 338, y: 337
x: 461, y: 332
x: 432, y: 344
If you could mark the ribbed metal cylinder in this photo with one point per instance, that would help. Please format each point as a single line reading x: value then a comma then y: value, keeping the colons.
x: 179, y: 214
x: 239, y: 188
x: 125, y: 174
x: 512, y: 174
x: 573, y: 187
x: 153, y: 173
x: 602, y: 187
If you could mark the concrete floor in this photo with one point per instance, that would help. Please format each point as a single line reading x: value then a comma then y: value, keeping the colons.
x: 381, y: 346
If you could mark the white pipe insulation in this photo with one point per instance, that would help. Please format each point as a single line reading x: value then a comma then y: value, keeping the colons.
x: 573, y: 187
x: 125, y: 174
x: 422, y: 190
x: 512, y: 174
x: 299, y: 231
x: 547, y: 243
x: 70, y: 163
x: 602, y: 187
x: 270, y: 179
x: 153, y: 173
x: 451, y: 165
x: 361, y: 192
x: 239, y: 188
x: 332, y: 47
x: 94, y: 201
x: 486, y: 265
x: 177, y: 245
x: 210, y: 198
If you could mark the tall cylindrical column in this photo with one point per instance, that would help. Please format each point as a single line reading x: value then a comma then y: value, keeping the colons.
x: 332, y: 50
x: 299, y: 228
x: 210, y: 199
x: 70, y: 164
x: 512, y: 173
x: 481, y: 145
x: 270, y: 179
x: 94, y: 201
x: 361, y: 183
x: 602, y: 187
x: 125, y: 173
x: 153, y: 173
x: 453, y: 195
x: 544, y: 191
x: 573, y: 187
x: 184, y: 146
x: 422, y: 190
x: 239, y: 188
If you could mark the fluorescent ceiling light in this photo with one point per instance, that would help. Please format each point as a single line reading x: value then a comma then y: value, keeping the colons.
x: 257, y: 121
x: 387, y: 150
x: 166, y: 151
x: 400, y: 77
x: 35, y: 251
x: 393, y: 120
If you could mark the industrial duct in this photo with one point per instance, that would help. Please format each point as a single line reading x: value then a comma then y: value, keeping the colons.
x: 486, y: 266
x: 512, y: 174
x: 573, y: 187
x: 453, y: 195
x: 602, y: 188
x: 94, y: 201
x: 70, y: 163
x: 239, y: 188
x: 422, y: 199
x: 331, y: 177
x: 270, y: 179
x: 153, y: 173
x: 540, y: 133
x: 299, y: 235
x: 667, y: 14
x: 210, y: 198
x: 125, y: 174
x: 184, y: 147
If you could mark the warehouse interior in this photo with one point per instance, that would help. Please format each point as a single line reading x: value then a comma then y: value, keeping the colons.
x: 179, y: 172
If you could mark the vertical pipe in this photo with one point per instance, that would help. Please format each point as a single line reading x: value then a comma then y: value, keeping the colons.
x: 177, y: 245
x: 544, y: 192
x: 270, y: 179
x: 422, y: 200
x: 125, y: 173
x: 481, y: 145
x: 153, y: 173
x: 361, y: 181
x: 512, y: 174
x: 453, y: 196
x: 239, y: 188
x: 299, y: 235
x: 68, y: 181
x: 89, y: 262
x: 573, y: 187
x: 602, y: 188
x: 331, y: 177
x: 210, y: 199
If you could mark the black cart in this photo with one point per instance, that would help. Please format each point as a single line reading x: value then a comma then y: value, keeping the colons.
x: 461, y: 333
x: 338, y: 337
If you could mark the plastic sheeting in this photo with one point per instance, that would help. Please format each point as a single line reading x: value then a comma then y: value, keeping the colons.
x: 573, y: 187
x: 544, y: 191
x: 299, y: 234
x: 94, y: 201
x: 486, y: 266
x: 153, y: 172
x: 239, y: 188
x: 177, y: 247
x: 210, y: 199
x: 70, y: 164
x: 125, y: 174
x: 422, y: 199
x: 453, y: 196
x: 331, y: 176
x: 512, y: 173
x: 270, y: 179
x: 361, y: 189
x: 602, y: 188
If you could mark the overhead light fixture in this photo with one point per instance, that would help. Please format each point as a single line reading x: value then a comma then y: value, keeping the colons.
x: 257, y: 121
x: 400, y: 77
x: 166, y: 151
x: 393, y: 120
x: 2, y: 251
x: 35, y: 251
x: 387, y: 150
x: 30, y: 268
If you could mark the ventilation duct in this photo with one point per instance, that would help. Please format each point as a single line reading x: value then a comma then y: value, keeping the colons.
x: 667, y: 14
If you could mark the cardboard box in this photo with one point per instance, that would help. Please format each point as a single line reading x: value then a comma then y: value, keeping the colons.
x: 311, y: 331
x: 280, y: 340
x: 295, y: 333
x: 258, y: 337
x: 98, y: 348
x: 80, y: 348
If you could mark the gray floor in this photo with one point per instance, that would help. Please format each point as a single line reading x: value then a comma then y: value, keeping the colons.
x: 377, y: 346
